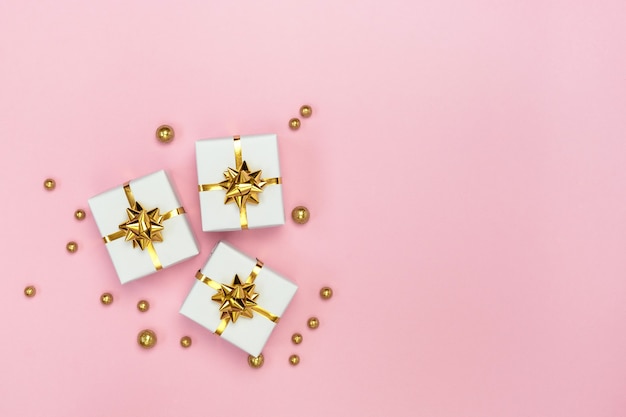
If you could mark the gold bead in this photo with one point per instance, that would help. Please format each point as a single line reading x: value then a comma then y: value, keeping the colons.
x: 294, y: 360
x: 296, y: 338
x: 146, y: 339
x: 143, y: 306
x: 256, y: 361
x: 30, y: 291
x: 49, y: 184
x: 306, y: 111
x: 326, y: 293
x: 314, y: 323
x: 165, y: 133
x: 185, y: 341
x: 71, y: 247
x: 300, y: 215
x: 79, y: 214
x: 294, y: 123
x: 106, y: 298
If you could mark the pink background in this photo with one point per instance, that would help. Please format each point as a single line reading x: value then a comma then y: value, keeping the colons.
x: 465, y: 170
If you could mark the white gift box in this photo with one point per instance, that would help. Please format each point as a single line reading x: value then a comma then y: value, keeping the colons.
x: 274, y: 295
x: 214, y: 157
x: 173, y: 244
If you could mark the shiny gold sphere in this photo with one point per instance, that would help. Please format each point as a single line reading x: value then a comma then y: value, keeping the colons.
x: 300, y: 215
x: 294, y: 123
x: 147, y: 339
x: 326, y: 293
x: 165, y: 133
x: 294, y: 360
x: 296, y: 338
x: 49, y: 184
x: 79, y: 214
x: 71, y: 247
x: 106, y: 298
x: 256, y: 361
x: 306, y: 111
x: 143, y: 305
x: 314, y: 323
x: 30, y: 291
x: 185, y: 341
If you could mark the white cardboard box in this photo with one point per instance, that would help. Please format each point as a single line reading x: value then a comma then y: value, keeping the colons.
x: 275, y: 294
x: 152, y: 191
x: 213, y: 157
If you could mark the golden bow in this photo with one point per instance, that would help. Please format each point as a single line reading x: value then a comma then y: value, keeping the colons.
x: 237, y: 299
x: 143, y: 226
x: 242, y: 185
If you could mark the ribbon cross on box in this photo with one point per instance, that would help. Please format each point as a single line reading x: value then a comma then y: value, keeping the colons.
x: 242, y: 185
x: 237, y: 299
x: 144, y: 227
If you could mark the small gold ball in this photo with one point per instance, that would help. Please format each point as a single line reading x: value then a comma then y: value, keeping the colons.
x: 185, y: 341
x: 294, y: 124
x: 165, y: 133
x: 326, y: 293
x: 49, y: 184
x: 79, y: 214
x: 143, y: 306
x: 300, y: 215
x: 106, y: 298
x: 314, y: 323
x: 296, y: 338
x: 306, y: 111
x: 256, y: 361
x: 146, y: 339
x: 294, y: 360
x: 71, y: 247
x: 30, y: 291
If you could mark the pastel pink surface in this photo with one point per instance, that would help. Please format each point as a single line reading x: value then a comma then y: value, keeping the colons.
x: 464, y: 167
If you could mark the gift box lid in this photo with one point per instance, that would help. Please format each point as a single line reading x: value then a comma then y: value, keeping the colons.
x: 275, y: 294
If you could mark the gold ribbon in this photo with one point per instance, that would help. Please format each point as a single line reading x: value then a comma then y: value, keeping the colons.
x: 238, y: 299
x: 242, y: 185
x: 143, y: 226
